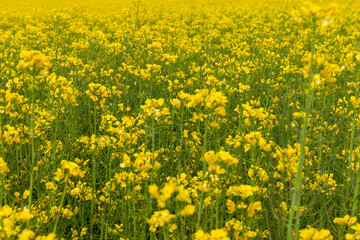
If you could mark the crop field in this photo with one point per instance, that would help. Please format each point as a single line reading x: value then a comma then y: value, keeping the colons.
x: 170, y: 119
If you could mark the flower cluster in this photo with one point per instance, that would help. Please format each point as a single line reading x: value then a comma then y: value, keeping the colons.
x: 35, y: 60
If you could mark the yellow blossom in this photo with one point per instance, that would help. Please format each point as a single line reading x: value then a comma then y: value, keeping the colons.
x: 26, y: 234
x: 26, y: 194
x: 3, y: 166
x: 25, y: 215
x: 188, y: 210
x: 314, y: 234
x: 345, y: 220
x: 252, y: 207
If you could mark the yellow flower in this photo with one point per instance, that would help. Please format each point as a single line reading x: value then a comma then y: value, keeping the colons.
x: 283, y: 206
x: 345, y: 220
x: 198, y: 98
x: 230, y: 206
x: 355, y: 102
x: 5, y: 211
x: 314, y: 234
x: 3, y: 166
x: 67, y: 213
x: 159, y: 219
x: 72, y: 168
x: 75, y: 191
x: 183, y: 195
x: 227, y: 158
x: 25, y: 215
x: 201, y: 235
x: 59, y: 174
x: 210, y: 157
x: 84, y: 230
x: 250, y: 234
x: 356, y: 227
x: 26, y: 234
x: 219, y: 234
x: 252, y: 207
x: 188, y: 210
x: 244, y: 191
x: 241, y: 205
x: 172, y: 228
x: 216, y: 234
x: 26, y: 194
x: 35, y: 60
x: 154, y: 191
x: 311, y: 9
x: 50, y: 186
x: 168, y: 190
x: 349, y: 236
x: 51, y: 236
x: 126, y: 161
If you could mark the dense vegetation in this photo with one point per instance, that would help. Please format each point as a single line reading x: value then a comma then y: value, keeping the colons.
x: 179, y: 120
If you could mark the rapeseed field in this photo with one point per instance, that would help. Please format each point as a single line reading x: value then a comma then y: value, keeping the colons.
x: 169, y: 119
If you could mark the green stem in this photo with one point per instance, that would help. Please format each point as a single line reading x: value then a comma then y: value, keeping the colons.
x: 353, y: 127
x: 61, y: 203
x: 93, y: 180
x: 3, y: 157
x: 203, y: 175
x: 32, y: 136
x: 295, y: 196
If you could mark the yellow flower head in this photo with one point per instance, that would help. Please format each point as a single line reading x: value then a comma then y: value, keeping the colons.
x: 72, y: 168
x: 314, y: 234
x: 345, y: 220
x: 188, y: 210
x: 3, y: 167
x: 35, y: 60
x: 26, y: 234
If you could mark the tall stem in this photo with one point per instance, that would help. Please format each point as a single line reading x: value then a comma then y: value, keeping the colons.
x: 61, y: 203
x: 32, y: 136
x: 357, y: 181
x: 295, y: 196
